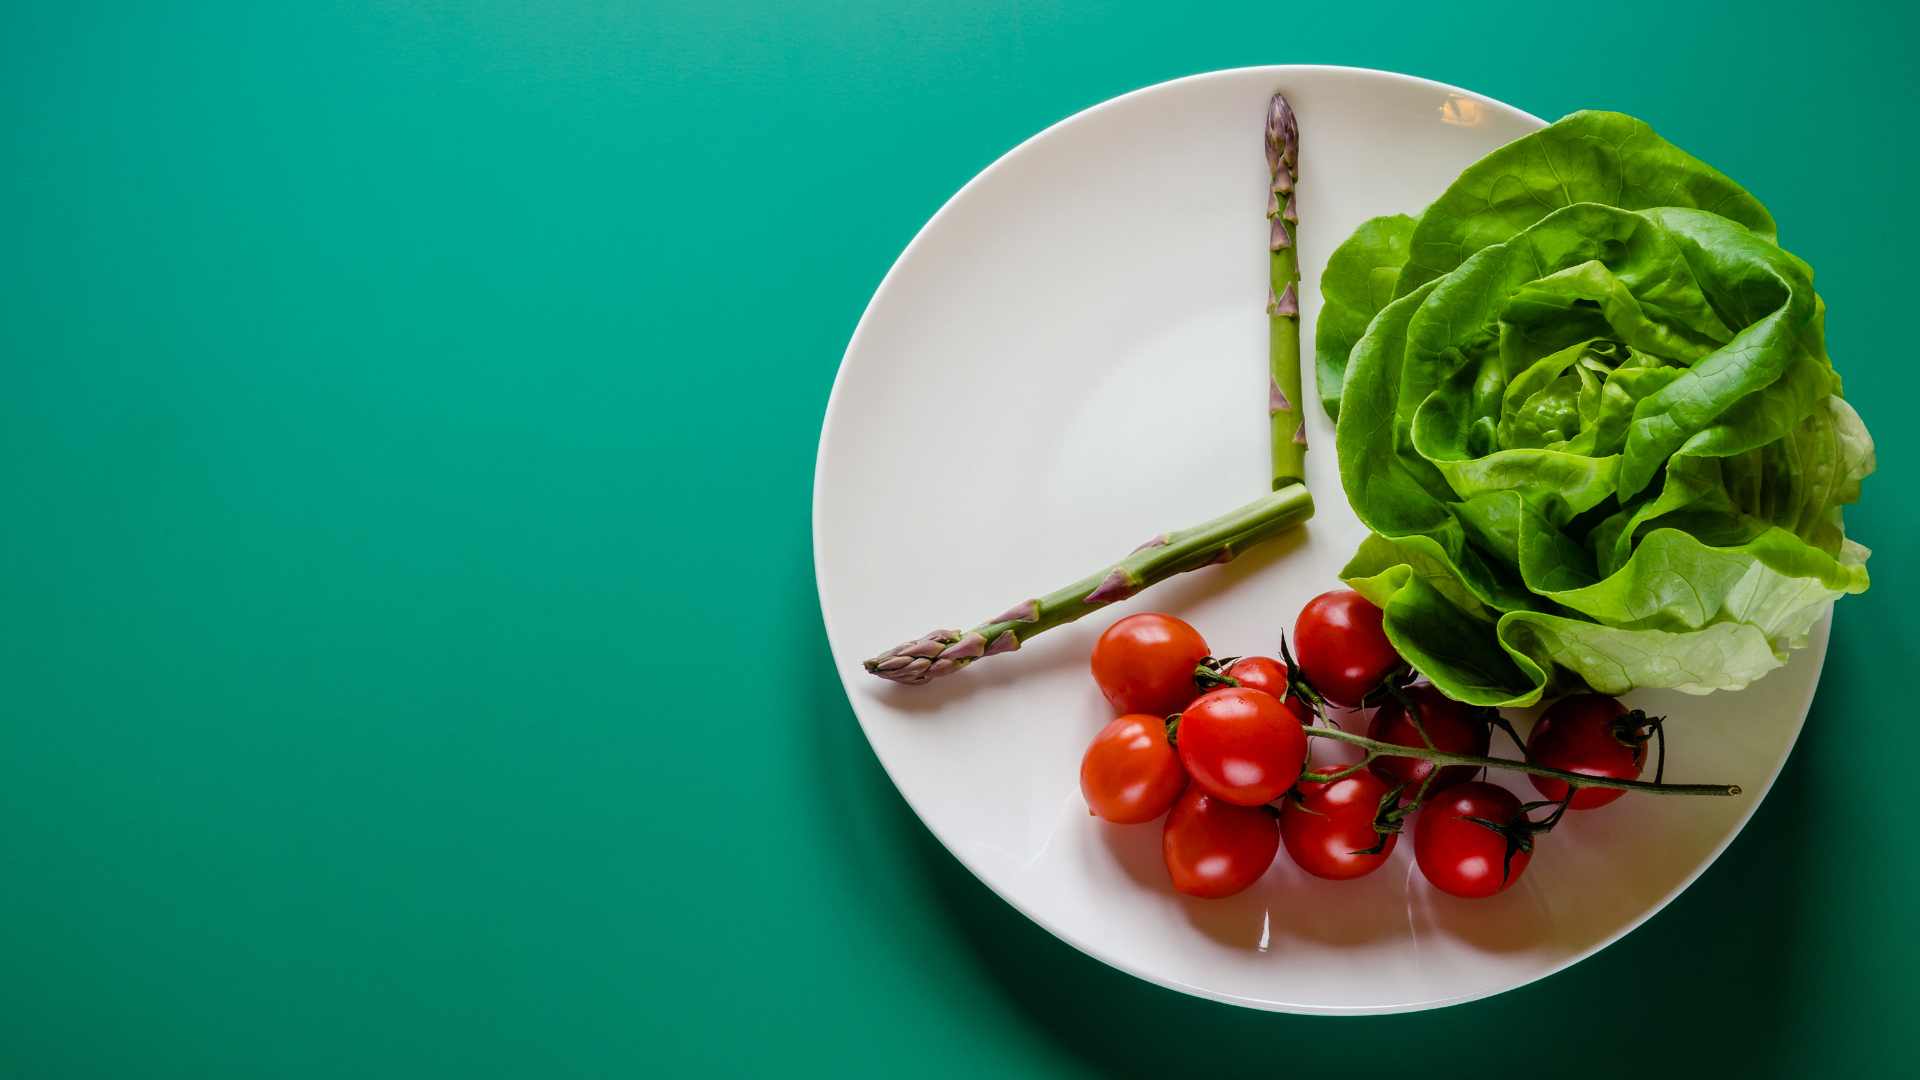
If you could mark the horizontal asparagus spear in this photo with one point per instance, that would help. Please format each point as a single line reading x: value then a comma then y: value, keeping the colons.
x: 941, y: 652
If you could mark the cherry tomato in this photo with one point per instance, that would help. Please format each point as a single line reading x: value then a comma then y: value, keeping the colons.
x: 1452, y: 727
x: 1130, y: 773
x: 1266, y: 673
x: 1241, y: 745
x: 1341, y: 646
x: 1214, y: 848
x: 1463, y: 857
x: 1144, y: 664
x: 1327, y: 827
x: 1591, y: 735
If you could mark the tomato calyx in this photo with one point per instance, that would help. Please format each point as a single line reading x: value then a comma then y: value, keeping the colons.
x: 1492, y: 716
x: 1635, y: 729
x: 1519, y: 833
x: 1391, y: 687
x: 1298, y: 686
x: 1389, y: 819
x: 1211, y: 673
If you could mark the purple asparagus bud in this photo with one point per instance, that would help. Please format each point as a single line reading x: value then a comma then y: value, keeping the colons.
x: 913, y: 673
x: 933, y: 655
x: 925, y: 647
x: 1287, y: 303
x: 1277, y: 398
x: 1117, y: 586
x: 1025, y: 611
x: 969, y: 647
x: 1283, y: 137
x: 1278, y: 239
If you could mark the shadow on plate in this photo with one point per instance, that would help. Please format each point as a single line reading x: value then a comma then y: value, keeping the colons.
x: 1691, y: 971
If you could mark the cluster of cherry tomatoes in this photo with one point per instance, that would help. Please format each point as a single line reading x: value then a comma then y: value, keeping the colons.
x: 1220, y: 749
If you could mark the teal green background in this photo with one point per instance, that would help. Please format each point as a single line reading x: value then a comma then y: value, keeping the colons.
x: 408, y: 643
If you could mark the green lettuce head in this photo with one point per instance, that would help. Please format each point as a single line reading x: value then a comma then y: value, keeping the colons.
x: 1585, y: 406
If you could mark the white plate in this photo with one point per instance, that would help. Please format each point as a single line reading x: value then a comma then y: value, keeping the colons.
x: 1071, y: 357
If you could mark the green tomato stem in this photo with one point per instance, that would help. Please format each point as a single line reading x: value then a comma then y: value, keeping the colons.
x: 1375, y: 748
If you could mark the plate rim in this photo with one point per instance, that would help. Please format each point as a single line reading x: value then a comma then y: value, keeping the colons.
x: 1819, y: 637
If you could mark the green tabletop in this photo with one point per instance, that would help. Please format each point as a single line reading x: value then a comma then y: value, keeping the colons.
x: 410, y: 654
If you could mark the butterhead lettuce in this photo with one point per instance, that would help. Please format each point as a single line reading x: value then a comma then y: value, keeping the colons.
x: 1585, y: 407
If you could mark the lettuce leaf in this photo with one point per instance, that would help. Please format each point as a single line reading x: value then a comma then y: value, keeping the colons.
x: 1598, y: 157
x: 1359, y: 280
x: 1595, y: 432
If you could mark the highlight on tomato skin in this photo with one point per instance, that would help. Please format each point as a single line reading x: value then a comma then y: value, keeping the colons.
x: 1462, y: 857
x: 1241, y: 745
x: 1130, y: 773
x: 1144, y: 663
x: 1342, y: 646
x: 1266, y: 673
x: 1328, y: 828
x: 1592, y: 735
x: 1214, y: 849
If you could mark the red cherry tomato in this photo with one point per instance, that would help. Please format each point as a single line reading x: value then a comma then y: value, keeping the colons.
x: 1144, y: 664
x: 1266, y: 673
x: 1130, y: 773
x: 1341, y: 646
x: 1214, y: 848
x: 1463, y: 857
x: 1590, y: 735
x: 1452, y: 727
x: 1328, y: 826
x: 1241, y: 745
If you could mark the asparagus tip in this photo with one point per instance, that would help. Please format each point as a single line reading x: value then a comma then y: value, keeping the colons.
x: 1283, y: 135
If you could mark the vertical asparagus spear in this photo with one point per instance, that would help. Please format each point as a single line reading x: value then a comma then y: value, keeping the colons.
x: 1283, y: 297
x: 939, y: 652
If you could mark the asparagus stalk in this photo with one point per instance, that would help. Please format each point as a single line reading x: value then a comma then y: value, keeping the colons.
x: 941, y: 652
x: 1287, y: 415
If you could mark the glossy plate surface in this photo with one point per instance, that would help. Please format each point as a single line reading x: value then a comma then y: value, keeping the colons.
x: 1069, y: 358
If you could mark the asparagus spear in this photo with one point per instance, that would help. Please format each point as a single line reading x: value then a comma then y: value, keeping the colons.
x: 1283, y: 297
x: 940, y: 652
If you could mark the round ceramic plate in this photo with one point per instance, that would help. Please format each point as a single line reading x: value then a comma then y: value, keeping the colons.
x: 1071, y: 357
